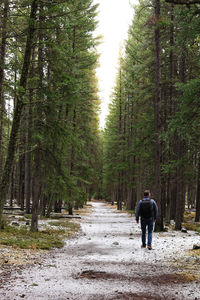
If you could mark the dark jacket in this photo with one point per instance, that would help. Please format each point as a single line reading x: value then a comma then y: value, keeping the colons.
x: 155, y: 209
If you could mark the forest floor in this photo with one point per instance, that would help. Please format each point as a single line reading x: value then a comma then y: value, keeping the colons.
x: 105, y: 262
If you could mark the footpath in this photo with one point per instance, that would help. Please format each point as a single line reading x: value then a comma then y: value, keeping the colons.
x: 105, y: 262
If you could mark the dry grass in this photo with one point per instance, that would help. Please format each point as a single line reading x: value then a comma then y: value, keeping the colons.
x: 20, y: 247
x: 20, y: 257
x: 186, y: 277
x: 189, y: 216
x: 86, y: 210
x: 194, y: 253
x: 192, y: 226
x: 189, y: 222
x: 47, y: 238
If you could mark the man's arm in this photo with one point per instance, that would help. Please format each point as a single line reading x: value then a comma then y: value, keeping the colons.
x: 155, y: 208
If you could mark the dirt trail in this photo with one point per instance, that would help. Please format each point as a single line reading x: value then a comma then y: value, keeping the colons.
x: 106, y: 262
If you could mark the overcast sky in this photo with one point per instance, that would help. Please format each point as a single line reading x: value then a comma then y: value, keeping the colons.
x: 114, y: 19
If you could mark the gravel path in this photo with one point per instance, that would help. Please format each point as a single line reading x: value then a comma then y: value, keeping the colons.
x: 105, y: 261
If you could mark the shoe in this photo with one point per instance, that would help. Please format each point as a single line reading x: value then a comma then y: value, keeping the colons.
x: 143, y: 246
x: 149, y: 247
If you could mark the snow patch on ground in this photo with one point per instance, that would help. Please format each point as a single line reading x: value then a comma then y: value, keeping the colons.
x: 110, y: 245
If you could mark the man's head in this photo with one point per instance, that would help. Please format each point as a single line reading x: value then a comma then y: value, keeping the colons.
x: 147, y: 193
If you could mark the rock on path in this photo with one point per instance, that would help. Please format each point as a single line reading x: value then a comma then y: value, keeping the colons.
x: 106, y: 262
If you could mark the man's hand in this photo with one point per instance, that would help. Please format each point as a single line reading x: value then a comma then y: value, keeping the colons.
x: 137, y: 221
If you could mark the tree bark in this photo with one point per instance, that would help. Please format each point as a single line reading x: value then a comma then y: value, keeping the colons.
x: 197, y: 216
x: 171, y: 203
x: 158, y: 120
x: 131, y: 201
x: 2, y: 61
x: 4, y: 184
x: 50, y: 205
x: 22, y: 147
x: 180, y: 199
x: 12, y: 188
x: 38, y: 152
x: 119, y: 188
x: 36, y: 190
x: 28, y: 162
x: 43, y: 203
x: 71, y: 202
x: 28, y: 165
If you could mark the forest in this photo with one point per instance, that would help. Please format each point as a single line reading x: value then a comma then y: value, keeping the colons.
x: 152, y: 135
x: 52, y: 152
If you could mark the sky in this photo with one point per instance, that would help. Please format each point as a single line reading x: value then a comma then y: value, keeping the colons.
x: 114, y: 18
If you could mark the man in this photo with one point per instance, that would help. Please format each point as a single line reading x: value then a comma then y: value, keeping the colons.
x: 148, y: 210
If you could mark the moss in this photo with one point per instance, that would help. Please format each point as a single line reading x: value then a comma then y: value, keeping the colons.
x: 45, y: 239
x: 28, y: 216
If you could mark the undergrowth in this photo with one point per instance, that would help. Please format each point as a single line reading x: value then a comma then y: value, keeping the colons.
x: 189, y: 222
x: 192, y: 226
x: 132, y: 212
x: 189, y: 216
x: 47, y: 238
x: 194, y: 253
x: 187, y: 277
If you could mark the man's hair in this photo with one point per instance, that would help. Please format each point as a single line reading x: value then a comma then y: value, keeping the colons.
x: 146, y: 193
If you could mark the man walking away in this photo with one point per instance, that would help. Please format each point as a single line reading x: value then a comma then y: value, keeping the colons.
x: 148, y: 211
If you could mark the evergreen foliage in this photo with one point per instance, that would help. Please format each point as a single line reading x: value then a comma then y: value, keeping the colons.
x: 57, y: 159
x: 131, y: 135
x: 50, y: 144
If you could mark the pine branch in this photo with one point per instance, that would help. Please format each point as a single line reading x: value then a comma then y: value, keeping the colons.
x: 183, y: 2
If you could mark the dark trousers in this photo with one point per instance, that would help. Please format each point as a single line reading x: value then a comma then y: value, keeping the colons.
x: 144, y: 224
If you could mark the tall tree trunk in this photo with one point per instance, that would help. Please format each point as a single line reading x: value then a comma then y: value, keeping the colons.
x: 180, y: 195
x: 12, y: 188
x: 28, y: 165
x: 71, y: 201
x: 180, y: 199
x: 43, y: 203
x: 2, y: 61
x: 4, y: 184
x: 58, y: 206
x: 50, y: 204
x: 38, y: 152
x: 171, y: 64
x: 158, y: 118
x: 36, y: 190
x: 139, y: 179
x: 22, y: 147
x: 173, y: 200
x: 71, y: 204
x: 119, y: 189
x: 197, y: 216
x: 131, y: 198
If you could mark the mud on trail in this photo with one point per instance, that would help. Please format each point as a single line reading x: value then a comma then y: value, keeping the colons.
x: 105, y: 261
